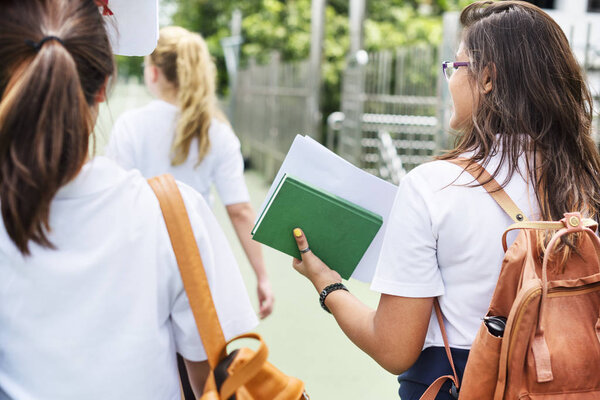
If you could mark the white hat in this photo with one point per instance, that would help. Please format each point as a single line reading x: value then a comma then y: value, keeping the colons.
x: 132, y: 25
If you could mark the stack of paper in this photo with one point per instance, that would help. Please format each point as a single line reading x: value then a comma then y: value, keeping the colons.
x: 309, y: 161
x: 340, y: 232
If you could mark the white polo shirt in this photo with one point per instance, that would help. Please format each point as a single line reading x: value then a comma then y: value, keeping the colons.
x: 102, y: 316
x: 142, y: 138
x: 444, y: 238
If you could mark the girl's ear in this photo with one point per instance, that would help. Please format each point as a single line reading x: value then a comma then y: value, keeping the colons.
x: 153, y: 73
x: 101, y: 95
x: 489, y: 73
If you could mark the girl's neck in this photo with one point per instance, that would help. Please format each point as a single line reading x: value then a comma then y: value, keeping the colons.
x: 168, y: 96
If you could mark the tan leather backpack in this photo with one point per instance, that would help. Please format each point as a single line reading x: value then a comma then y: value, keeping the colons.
x: 550, y: 348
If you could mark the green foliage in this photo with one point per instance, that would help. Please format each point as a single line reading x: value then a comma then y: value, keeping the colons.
x: 284, y: 26
x: 130, y: 66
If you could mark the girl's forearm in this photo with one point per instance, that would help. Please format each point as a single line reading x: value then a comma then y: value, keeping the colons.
x: 242, y: 218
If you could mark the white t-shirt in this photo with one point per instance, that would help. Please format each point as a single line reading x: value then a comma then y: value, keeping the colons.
x: 102, y: 316
x: 445, y: 239
x: 142, y: 138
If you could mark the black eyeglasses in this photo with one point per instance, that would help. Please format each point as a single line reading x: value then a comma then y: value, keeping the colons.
x: 449, y: 67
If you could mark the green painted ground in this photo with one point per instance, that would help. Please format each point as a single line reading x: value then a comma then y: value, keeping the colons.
x: 303, y: 340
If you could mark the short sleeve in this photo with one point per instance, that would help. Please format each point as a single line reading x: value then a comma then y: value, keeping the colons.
x: 407, y: 264
x: 120, y: 147
x: 228, y: 169
x: 228, y: 291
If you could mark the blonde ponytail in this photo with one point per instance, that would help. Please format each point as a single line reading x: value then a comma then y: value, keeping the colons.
x: 184, y: 59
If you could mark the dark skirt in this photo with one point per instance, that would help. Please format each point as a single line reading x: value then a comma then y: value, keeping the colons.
x: 431, y: 364
x: 186, y: 387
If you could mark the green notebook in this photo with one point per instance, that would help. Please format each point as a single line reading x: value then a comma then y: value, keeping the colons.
x: 338, y: 231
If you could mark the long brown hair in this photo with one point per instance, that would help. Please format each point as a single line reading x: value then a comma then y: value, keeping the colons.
x: 47, y: 90
x: 539, y: 105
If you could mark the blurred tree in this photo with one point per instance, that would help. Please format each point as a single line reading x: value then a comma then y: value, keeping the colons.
x: 284, y: 26
x: 130, y: 66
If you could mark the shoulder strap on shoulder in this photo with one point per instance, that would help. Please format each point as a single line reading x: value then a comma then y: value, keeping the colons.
x: 492, y: 187
x: 190, y: 266
x: 544, y: 225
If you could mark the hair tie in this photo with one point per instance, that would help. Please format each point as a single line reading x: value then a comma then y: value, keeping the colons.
x: 37, y: 46
x: 104, y: 5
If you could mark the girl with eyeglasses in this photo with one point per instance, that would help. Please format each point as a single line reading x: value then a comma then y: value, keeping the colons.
x: 523, y: 111
x: 92, y: 305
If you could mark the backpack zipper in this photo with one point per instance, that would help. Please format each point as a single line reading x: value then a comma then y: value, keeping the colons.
x: 552, y: 292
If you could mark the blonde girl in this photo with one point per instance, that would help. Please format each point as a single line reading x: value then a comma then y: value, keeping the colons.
x: 184, y: 133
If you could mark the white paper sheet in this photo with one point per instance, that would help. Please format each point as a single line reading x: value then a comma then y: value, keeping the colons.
x: 313, y: 163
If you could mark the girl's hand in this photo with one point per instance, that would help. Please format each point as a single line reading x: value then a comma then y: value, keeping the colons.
x: 265, y: 298
x: 311, y: 266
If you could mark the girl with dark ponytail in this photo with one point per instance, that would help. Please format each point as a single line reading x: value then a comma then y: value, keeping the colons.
x: 92, y: 304
x: 46, y: 112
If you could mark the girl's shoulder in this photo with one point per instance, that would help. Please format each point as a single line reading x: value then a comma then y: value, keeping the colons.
x: 435, y: 173
x: 220, y: 127
x: 151, y: 119
x: 221, y: 133
x: 155, y: 110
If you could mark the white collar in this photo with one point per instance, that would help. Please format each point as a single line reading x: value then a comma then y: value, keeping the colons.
x: 97, y: 175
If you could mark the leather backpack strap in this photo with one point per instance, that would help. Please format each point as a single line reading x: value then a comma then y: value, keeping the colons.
x: 492, y: 187
x: 246, y: 371
x: 433, y: 389
x: 440, y: 318
x: 190, y: 266
x: 545, y: 225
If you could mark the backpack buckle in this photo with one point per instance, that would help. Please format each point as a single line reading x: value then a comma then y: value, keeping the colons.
x: 572, y: 221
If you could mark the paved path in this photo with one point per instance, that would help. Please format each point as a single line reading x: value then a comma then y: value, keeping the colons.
x: 303, y: 340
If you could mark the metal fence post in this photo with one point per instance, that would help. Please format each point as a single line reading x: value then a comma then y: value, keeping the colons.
x: 357, y: 18
x: 231, y: 50
x: 273, y: 112
x: 448, y: 47
x: 317, y: 28
x: 349, y: 144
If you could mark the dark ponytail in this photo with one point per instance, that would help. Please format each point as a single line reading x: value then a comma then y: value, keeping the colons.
x: 46, y: 115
